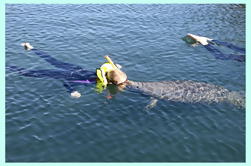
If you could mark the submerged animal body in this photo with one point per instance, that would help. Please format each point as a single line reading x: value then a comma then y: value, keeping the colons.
x: 189, y: 91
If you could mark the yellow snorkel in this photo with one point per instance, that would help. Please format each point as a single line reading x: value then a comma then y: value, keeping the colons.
x: 111, y: 62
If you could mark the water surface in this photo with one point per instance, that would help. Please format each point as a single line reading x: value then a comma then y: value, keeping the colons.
x: 43, y: 123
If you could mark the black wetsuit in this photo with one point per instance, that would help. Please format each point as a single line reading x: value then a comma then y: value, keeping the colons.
x: 220, y: 55
x: 71, y: 75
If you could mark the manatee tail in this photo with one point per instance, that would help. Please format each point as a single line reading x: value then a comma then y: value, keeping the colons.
x: 237, y: 98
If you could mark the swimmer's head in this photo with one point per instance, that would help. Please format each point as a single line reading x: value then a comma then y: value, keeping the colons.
x: 117, y: 76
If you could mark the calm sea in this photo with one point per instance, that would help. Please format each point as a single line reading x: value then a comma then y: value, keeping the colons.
x: 43, y: 123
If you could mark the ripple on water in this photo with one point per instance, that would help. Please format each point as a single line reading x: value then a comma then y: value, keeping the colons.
x: 146, y: 41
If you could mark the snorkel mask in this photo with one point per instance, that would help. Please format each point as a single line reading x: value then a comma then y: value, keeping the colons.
x: 117, y: 77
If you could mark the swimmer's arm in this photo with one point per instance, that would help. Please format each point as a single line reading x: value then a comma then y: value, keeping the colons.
x: 73, y: 92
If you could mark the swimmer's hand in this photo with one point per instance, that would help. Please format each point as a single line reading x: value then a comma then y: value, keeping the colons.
x: 27, y: 46
x: 202, y: 40
x: 75, y: 94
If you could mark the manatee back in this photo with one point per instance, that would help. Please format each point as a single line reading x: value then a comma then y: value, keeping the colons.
x: 189, y: 91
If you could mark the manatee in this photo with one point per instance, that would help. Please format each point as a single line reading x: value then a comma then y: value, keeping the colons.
x: 188, y: 92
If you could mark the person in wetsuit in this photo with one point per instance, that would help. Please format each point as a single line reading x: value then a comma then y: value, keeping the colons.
x: 209, y: 45
x: 72, y: 75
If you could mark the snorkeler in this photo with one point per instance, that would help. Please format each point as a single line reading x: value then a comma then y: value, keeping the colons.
x: 208, y: 44
x: 71, y: 75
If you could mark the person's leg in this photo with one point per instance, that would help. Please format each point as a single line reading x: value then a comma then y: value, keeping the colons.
x: 79, y: 76
x: 55, y: 62
x: 57, y: 74
x: 51, y: 60
x: 231, y: 46
x: 219, y: 55
x: 239, y: 58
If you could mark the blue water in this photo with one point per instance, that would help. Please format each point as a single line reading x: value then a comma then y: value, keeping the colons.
x: 43, y: 123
